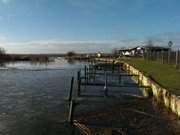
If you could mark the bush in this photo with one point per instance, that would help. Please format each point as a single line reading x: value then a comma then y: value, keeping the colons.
x: 71, y: 53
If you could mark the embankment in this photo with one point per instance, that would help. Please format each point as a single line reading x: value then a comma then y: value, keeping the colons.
x: 163, y: 95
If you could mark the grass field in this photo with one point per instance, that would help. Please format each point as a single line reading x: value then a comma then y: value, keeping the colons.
x: 166, y: 75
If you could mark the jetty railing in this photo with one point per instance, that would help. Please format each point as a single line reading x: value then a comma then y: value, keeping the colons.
x: 88, y: 77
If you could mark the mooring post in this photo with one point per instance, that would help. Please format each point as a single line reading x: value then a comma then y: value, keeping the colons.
x: 105, y: 86
x: 79, y: 83
x: 177, y: 59
x: 71, y: 89
x: 71, y: 111
x: 119, y: 78
x: 113, y: 66
x: 85, y: 74
x: 94, y: 71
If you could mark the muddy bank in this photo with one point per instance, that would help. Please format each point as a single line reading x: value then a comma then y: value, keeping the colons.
x: 125, y: 115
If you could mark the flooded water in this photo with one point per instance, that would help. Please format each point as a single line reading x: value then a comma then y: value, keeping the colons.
x: 32, y: 94
x: 33, y: 101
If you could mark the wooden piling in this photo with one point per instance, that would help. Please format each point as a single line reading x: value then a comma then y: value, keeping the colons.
x: 79, y: 83
x: 71, y: 89
x: 85, y: 73
x: 119, y: 78
x: 71, y: 111
x: 113, y: 66
x: 105, y: 86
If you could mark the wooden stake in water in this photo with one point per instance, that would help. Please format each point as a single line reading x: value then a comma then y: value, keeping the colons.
x: 71, y: 111
x: 105, y: 86
x: 119, y: 79
x: 79, y: 83
x: 71, y: 89
x: 85, y: 73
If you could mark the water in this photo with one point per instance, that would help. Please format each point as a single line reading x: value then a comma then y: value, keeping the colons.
x: 34, y: 94
x: 33, y: 100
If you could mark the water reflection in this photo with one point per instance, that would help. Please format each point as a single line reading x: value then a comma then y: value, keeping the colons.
x: 53, y: 63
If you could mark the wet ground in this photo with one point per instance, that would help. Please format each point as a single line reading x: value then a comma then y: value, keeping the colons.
x: 125, y: 115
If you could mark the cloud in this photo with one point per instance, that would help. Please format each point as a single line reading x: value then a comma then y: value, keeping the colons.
x: 57, y: 46
x: 61, y: 46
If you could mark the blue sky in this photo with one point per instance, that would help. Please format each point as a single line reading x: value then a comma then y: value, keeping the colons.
x: 63, y: 25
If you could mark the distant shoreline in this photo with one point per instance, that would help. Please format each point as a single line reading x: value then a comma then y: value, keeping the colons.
x: 44, y: 57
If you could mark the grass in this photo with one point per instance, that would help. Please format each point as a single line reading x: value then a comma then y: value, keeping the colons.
x: 166, y: 75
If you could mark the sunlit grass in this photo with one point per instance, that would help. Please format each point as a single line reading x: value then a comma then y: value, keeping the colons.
x: 166, y: 75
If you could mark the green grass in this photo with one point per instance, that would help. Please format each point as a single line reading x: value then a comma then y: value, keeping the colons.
x: 166, y: 75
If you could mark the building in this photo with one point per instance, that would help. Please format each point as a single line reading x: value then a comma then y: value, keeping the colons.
x: 139, y: 51
x: 130, y: 52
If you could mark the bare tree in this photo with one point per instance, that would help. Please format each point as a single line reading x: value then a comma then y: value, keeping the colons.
x: 71, y: 53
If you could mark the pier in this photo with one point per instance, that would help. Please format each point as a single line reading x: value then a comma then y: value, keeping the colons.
x: 112, y: 100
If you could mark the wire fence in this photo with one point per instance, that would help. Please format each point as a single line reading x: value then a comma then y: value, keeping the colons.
x: 164, y: 57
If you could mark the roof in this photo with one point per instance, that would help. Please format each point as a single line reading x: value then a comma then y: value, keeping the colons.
x: 128, y: 49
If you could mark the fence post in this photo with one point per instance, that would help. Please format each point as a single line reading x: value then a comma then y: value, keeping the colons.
x: 169, y: 56
x: 177, y: 59
x: 71, y: 88
x: 162, y: 57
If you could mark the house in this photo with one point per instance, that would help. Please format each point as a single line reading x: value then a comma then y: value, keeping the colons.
x: 139, y: 51
x: 135, y: 51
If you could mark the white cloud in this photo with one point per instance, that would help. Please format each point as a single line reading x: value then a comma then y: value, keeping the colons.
x: 61, y: 46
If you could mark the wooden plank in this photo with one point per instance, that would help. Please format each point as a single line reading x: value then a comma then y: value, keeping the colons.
x: 71, y: 89
x: 115, y: 85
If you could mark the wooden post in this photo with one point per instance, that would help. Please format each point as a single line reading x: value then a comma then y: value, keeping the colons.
x: 71, y: 111
x: 79, y: 83
x: 71, y: 88
x: 169, y: 56
x: 85, y: 73
x: 119, y: 77
x: 105, y: 86
x: 162, y: 57
x: 177, y: 59
x: 113, y: 66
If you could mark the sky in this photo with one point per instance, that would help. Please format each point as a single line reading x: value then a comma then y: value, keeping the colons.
x: 58, y: 26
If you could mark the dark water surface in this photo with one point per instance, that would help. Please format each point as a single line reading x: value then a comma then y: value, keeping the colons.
x: 33, y: 101
x: 34, y: 95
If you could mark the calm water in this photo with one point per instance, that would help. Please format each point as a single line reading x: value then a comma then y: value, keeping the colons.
x: 32, y: 94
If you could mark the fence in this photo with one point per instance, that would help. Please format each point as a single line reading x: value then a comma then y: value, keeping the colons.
x: 164, y: 57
